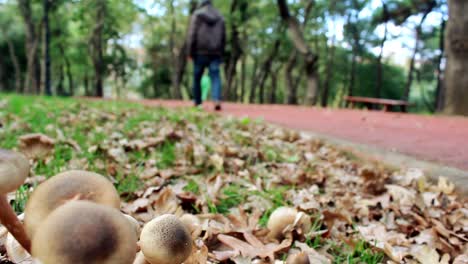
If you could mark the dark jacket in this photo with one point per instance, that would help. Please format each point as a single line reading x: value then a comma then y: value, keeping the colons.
x: 207, y: 33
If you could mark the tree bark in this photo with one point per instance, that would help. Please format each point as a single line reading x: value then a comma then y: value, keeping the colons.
x: 253, y: 91
x: 235, y: 53
x: 47, y: 62
x: 456, y: 79
x: 181, y: 65
x: 274, y: 84
x: 291, y: 85
x: 266, y: 70
x: 71, y: 87
x: 380, y: 70
x: 97, y: 48
x: 60, y: 90
x: 310, y: 58
x: 243, y: 77
x: 328, y: 78
x: 418, y: 32
x: 439, y: 100
x: 32, y: 80
x: 176, y: 94
x: 16, y: 65
x: 291, y: 82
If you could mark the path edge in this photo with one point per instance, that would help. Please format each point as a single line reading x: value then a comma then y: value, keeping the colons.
x: 397, y: 160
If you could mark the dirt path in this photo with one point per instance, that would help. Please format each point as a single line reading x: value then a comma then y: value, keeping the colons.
x: 436, y: 139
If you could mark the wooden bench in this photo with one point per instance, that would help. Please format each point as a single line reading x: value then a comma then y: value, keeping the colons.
x: 386, y: 103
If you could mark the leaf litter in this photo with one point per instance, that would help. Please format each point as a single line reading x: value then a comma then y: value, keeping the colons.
x: 224, y: 177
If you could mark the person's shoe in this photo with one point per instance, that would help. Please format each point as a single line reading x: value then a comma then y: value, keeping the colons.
x: 218, y: 107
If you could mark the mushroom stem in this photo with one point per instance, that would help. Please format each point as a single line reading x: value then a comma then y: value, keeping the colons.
x: 9, y: 219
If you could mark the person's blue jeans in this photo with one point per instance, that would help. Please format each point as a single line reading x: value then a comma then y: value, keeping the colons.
x: 213, y: 63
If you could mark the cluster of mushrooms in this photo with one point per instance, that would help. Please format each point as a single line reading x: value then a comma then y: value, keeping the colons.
x: 74, y: 218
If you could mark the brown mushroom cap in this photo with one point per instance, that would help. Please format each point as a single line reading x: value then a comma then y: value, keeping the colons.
x: 82, y: 232
x: 14, y: 169
x: 67, y: 186
x: 280, y: 219
x: 298, y: 258
x: 165, y: 240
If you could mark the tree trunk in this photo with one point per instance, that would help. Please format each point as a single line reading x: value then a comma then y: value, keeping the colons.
x: 329, y: 77
x: 176, y: 94
x: 266, y: 70
x: 291, y: 85
x: 418, y: 33
x: 380, y: 70
x: 86, y: 85
x: 352, y: 74
x: 97, y: 48
x: 274, y: 84
x: 48, y: 90
x: 16, y: 65
x: 71, y: 88
x: 181, y: 64
x: 456, y: 79
x: 243, y: 77
x: 291, y: 82
x: 32, y: 80
x: 253, y: 86
x: 302, y: 47
x: 235, y: 53
x: 439, y: 100
x: 60, y: 90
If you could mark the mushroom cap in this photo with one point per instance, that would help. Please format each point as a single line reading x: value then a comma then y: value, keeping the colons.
x: 280, y: 219
x: 14, y: 169
x: 82, y: 232
x: 298, y: 258
x: 64, y: 187
x: 165, y: 240
x: 135, y: 224
x: 192, y: 223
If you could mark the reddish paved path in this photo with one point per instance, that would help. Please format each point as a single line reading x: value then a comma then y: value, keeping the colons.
x: 438, y: 139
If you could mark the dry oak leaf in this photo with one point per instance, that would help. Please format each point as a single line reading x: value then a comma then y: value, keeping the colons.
x: 36, y: 146
x: 314, y: 256
x: 252, y: 248
x: 427, y: 255
x: 462, y: 259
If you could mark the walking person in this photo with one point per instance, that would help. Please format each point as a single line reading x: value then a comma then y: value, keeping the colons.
x: 206, y: 44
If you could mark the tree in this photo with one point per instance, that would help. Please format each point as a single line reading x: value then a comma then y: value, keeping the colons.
x: 47, y: 84
x: 310, y: 57
x: 456, y: 79
x: 32, y: 81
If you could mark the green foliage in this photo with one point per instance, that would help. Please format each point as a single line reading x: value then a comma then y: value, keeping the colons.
x: 192, y: 187
x: 21, y: 197
x: 127, y: 184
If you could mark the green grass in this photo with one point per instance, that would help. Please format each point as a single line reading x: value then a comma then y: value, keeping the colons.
x: 127, y: 185
x: 361, y: 253
x: 167, y: 157
x: 192, y: 187
x: 21, y: 197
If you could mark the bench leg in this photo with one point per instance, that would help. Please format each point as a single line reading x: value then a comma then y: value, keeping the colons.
x: 404, y: 109
x: 385, y: 108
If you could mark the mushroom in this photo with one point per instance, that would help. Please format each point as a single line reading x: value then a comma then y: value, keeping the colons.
x: 192, y: 223
x: 65, y: 187
x: 286, y: 217
x: 82, y: 232
x: 134, y: 223
x: 298, y: 258
x: 14, y: 169
x: 165, y: 240
x: 16, y: 253
x: 140, y: 259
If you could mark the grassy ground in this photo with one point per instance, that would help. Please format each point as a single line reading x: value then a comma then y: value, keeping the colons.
x: 223, y: 165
